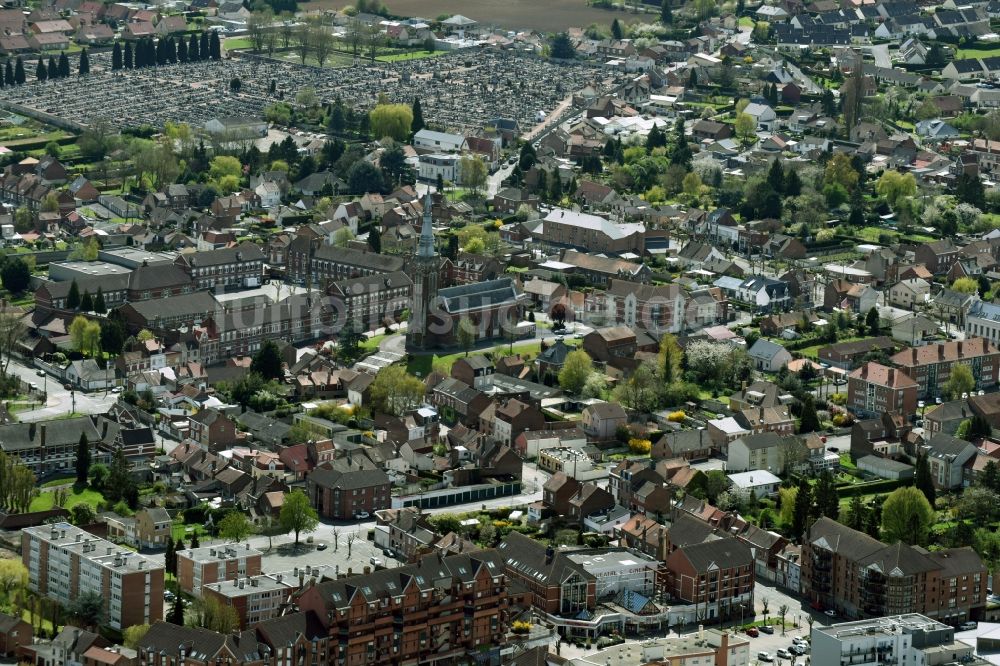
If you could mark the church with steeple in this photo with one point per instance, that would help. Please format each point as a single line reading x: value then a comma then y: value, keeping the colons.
x: 493, y: 308
x: 426, y: 273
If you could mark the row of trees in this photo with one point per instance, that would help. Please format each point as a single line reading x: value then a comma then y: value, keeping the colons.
x: 17, y: 484
x: 148, y: 52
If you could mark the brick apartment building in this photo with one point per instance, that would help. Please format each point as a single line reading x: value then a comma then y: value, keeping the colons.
x: 339, y: 492
x: 322, y: 263
x: 238, y: 267
x: 197, y: 567
x: 874, y: 389
x: 930, y: 365
x: 45, y: 448
x: 64, y: 562
x: 255, y: 598
x: 439, y: 610
x: 859, y: 576
x: 716, y: 577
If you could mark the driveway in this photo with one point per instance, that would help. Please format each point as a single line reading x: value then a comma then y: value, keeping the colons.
x: 881, y: 54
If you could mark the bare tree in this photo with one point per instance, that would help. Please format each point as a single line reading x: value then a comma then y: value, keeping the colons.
x: 355, y: 37
x: 12, y: 330
x: 287, y: 29
x: 321, y: 41
x: 271, y: 40
x: 351, y: 536
x: 373, y: 40
x: 258, y: 25
x: 303, y: 34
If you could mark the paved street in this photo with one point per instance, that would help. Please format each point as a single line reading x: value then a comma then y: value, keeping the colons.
x: 59, y: 401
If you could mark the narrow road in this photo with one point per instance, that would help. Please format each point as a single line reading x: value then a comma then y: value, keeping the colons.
x: 881, y: 54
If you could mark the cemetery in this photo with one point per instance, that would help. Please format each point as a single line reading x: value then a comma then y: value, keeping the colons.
x: 460, y: 91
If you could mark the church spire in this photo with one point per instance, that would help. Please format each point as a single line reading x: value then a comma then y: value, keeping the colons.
x: 426, y: 246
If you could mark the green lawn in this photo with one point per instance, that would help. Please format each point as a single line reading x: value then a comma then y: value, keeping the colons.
x: 46, y: 500
x: 746, y: 22
x: 443, y: 362
x: 182, y: 531
x: 237, y: 43
x: 811, y: 351
x: 409, y: 55
x: 977, y: 53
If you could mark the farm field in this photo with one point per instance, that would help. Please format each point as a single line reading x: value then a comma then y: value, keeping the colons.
x: 547, y: 16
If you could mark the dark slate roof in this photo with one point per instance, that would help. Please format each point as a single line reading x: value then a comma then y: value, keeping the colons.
x: 230, y: 255
x: 837, y: 538
x: 431, y: 572
x: 688, y: 531
x: 385, y: 263
x: 157, y: 277
x: 63, y: 432
x: 725, y: 553
x: 493, y: 293
x: 326, y: 477
x: 200, y: 644
x: 186, y: 304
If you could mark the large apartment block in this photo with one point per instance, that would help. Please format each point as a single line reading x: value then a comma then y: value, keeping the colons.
x: 197, y: 567
x: 874, y: 389
x: 930, y: 365
x: 255, y: 598
x: 64, y: 562
x: 437, y: 611
x: 859, y: 576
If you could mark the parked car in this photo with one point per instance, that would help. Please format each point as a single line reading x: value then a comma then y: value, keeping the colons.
x: 374, y: 561
x: 767, y: 629
x: 361, y: 515
x: 752, y: 632
x: 321, y: 545
x: 830, y: 613
x: 40, y: 373
x: 968, y: 626
x: 764, y: 656
x: 795, y: 649
x: 798, y: 640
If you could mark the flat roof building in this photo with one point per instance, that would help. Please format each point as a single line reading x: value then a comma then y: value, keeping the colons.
x: 892, y: 639
x: 64, y: 271
x: 133, y: 258
x: 65, y: 562
x: 197, y: 567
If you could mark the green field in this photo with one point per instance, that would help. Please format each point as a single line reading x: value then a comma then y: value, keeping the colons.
x: 443, y: 362
x: 962, y: 54
x: 409, y: 55
x: 46, y: 500
x: 234, y: 43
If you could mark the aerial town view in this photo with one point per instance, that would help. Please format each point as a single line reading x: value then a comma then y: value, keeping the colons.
x: 499, y: 332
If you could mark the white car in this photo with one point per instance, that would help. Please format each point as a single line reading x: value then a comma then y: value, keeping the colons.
x: 764, y: 656
x: 361, y: 515
x: 784, y: 654
x: 968, y: 626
